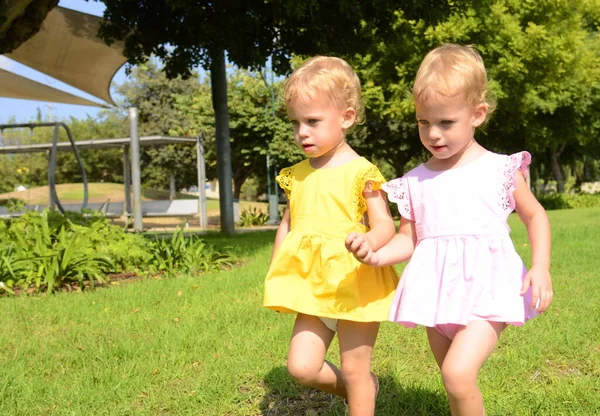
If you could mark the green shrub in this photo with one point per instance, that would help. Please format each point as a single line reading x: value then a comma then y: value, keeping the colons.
x: 12, y: 269
x: 13, y: 204
x: 569, y: 201
x: 128, y: 251
x: 179, y: 254
x: 47, y: 251
x: 253, y: 217
x: 56, y: 251
x: 72, y: 259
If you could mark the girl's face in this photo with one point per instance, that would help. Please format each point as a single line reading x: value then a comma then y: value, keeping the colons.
x: 446, y: 127
x: 319, y: 126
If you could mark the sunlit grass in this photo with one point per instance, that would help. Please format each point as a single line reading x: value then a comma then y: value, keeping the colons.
x: 205, y: 346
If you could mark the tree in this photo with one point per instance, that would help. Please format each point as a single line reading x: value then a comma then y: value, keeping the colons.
x: 547, y: 65
x: 149, y: 90
x: 543, y: 59
x: 257, y: 126
x: 250, y: 31
x: 20, y: 20
x: 101, y: 165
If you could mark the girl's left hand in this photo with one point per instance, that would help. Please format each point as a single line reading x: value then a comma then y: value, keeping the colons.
x: 541, y: 287
x: 360, y: 246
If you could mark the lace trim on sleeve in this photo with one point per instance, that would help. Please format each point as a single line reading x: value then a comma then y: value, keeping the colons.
x: 517, y: 161
x: 397, y: 190
x: 284, y: 179
x: 369, y: 179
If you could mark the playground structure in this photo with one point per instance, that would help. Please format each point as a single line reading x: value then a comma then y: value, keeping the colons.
x: 131, y: 174
x: 68, y: 49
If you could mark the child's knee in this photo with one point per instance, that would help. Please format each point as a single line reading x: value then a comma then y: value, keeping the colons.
x: 458, y: 381
x: 355, y: 372
x: 302, y: 371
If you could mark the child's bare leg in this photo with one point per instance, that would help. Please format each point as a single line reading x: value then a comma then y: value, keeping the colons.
x: 306, y: 358
x: 461, y: 362
x: 356, y: 349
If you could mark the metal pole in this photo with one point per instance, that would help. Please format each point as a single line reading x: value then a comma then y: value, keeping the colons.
x: 50, y: 193
x: 201, y: 182
x: 126, y: 182
x: 273, y: 198
x: 136, y: 179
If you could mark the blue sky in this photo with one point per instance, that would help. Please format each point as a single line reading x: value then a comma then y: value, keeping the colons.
x: 26, y: 110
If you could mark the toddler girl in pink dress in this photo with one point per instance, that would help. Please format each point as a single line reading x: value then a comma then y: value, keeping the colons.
x: 464, y: 282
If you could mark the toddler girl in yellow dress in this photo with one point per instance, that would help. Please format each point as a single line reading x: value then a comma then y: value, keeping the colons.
x: 332, y: 193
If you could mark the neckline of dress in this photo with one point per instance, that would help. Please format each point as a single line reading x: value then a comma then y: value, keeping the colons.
x: 472, y: 162
x: 333, y: 167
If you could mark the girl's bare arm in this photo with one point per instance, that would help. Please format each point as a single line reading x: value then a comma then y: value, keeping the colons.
x: 536, y: 221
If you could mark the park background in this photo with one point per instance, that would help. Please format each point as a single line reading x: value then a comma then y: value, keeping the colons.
x: 177, y: 326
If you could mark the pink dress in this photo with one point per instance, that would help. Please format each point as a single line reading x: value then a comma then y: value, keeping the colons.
x: 464, y: 266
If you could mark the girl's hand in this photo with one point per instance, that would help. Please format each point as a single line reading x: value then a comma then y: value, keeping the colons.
x: 359, y: 245
x: 541, y: 287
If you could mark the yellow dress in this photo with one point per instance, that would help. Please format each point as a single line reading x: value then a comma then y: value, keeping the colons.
x: 312, y: 272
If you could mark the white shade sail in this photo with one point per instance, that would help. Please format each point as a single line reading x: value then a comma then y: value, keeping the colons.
x: 16, y: 86
x: 67, y: 48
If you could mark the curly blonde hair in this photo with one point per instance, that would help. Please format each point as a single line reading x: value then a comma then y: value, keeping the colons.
x: 452, y: 70
x: 330, y: 76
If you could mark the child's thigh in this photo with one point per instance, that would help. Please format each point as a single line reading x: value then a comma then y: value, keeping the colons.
x: 310, y: 341
x: 472, y: 346
x: 356, y: 341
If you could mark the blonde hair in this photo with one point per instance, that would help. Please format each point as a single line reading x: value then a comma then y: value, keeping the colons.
x: 452, y: 70
x: 326, y: 75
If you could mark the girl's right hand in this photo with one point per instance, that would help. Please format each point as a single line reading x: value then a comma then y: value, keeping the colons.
x: 359, y: 245
x: 541, y: 288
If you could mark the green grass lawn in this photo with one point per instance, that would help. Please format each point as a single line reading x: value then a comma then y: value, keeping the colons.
x: 205, y: 346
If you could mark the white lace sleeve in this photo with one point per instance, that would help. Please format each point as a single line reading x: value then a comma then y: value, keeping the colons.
x: 515, y: 162
x: 398, y: 192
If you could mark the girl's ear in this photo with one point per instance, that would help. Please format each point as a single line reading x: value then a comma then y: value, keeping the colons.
x: 479, y: 114
x: 348, y: 118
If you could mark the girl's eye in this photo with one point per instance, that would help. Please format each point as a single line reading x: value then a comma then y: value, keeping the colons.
x: 447, y: 122
x: 312, y: 121
x: 423, y: 122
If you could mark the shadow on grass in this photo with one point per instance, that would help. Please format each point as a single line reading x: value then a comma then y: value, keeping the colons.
x: 283, y: 397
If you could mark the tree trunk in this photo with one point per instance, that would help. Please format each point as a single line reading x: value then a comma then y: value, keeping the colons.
x: 237, y: 187
x: 553, y: 155
x: 239, y: 177
x: 401, y: 158
x: 218, y: 78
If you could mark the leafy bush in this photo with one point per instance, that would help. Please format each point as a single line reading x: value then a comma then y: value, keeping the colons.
x: 13, y: 204
x: 12, y: 269
x: 181, y: 254
x: 128, y: 251
x: 47, y: 251
x: 54, y: 252
x: 253, y: 217
x: 72, y: 260
x: 569, y: 201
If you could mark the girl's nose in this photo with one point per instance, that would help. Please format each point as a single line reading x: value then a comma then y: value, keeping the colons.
x: 434, y: 133
x: 303, y: 130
